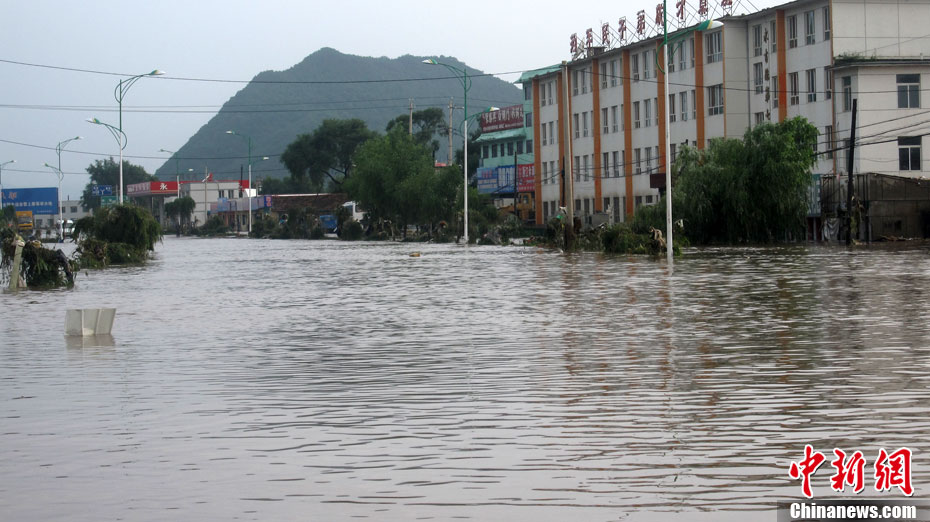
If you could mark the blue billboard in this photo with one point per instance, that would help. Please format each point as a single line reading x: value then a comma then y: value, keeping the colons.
x: 496, y: 180
x: 38, y: 200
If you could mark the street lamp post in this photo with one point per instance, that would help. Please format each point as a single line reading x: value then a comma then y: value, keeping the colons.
x: 249, y: 139
x: 703, y: 26
x: 466, y: 84
x: 61, y: 146
x: 177, y: 169
x: 1, y: 180
x: 120, y: 137
x: 60, y: 176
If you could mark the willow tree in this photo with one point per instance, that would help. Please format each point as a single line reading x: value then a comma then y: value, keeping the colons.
x: 750, y: 190
x: 327, y: 152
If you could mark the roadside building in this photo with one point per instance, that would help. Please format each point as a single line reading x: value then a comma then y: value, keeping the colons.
x: 602, y: 117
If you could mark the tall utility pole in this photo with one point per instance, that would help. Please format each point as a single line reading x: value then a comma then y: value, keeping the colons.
x: 850, y: 156
x: 410, y: 127
x: 569, y: 180
x: 450, y: 131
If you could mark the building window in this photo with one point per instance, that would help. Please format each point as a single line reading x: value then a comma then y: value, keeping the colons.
x: 909, y: 153
x: 691, y: 45
x: 671, y: 108
x: 584, y: 169
x: 576, y: 76
x: 715, y: 100
x: 622, y: 121
x: 485, y: 151
x: 577, y: 127
x: 811, y: 85
x: 792, y: 32
x: 683, y: 97
x: 757, y: 40
x: 759, y: 117
x: 529, y: 119
x: 828, y: 83
x: 646, y: 64
x: 554, y: 174
x: 636, y: 122
x: 828, y: 134
x: 757, y: 77
x: 826, y: 23
x: 635, y: 67
x: 520, y: 147
x: 585, y: 79
x: 604, y: 75
x: 774, y: 39
x: 584, y: 124
x: 908, y: 91
x: 529, y: 146
x: 613, y: 118
x: 714, y: 47
x: 673, y: 150
x: 527, y: 91
x: 494, y: 150
x: 613, y: 73
x: 775, y: 92
x: 682, y: 56
x: 637, y: 155
x: 639, y: 201
x: 671, y: 58
x: 74, y: 210
x: 605, y: 167
x: 509, y: 149
x: 693, y: 104
x: 847, y: 93
x: 647, y: 111
x: 809, y: 28
x: 648, y: 159
x: 793, y: 88
x: 616, y: 164
x: 655, y: 103
x: 549, y: 91
x: 545, y: 141
x: 577, y: 168
x: 604, y: 122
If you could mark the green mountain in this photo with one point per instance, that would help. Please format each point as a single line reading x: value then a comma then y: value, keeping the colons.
x: 277, y: 106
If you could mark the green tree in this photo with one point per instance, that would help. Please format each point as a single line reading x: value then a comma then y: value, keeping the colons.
x: 290, y: 185
x: 427, y: 124
x: 749, y: 190
x: 106, y: 172
x: 327, y: 152
x: 474, y: 153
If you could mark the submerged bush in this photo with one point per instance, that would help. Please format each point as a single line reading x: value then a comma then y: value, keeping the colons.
x: 115, y: 235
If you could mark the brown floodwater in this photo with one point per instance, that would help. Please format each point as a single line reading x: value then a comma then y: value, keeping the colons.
x: 299, y: 380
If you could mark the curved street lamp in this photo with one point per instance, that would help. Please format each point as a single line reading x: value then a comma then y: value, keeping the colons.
x: 120, y: 138
x: 466, y: 84
x: 177, y: 168
x: 249, y: 139
x: 1, y: 180
x: 61, y: 146
x: 60, y: 176
x: 703, y: 26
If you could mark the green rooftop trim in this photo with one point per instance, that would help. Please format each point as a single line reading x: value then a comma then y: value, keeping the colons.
x: 501, y: 135
x: 529, y: 75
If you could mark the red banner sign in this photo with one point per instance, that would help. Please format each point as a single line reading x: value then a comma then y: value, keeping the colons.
x: 150, y: 188
x: 526, y: 178
x: 502, y: 119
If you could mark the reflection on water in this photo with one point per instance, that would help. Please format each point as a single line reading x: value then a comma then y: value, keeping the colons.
x: 267, y: 380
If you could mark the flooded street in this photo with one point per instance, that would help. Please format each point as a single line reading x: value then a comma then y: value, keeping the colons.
x: 299, y: 380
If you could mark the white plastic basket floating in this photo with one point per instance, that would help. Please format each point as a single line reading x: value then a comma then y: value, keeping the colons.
x: 89, y: 321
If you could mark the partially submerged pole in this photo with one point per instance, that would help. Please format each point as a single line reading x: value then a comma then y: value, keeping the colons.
x: 16, y: 279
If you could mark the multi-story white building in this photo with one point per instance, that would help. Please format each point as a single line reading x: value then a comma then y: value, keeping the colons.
x: 770, y: 65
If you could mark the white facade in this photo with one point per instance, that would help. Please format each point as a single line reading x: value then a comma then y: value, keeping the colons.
x: 206, y: 193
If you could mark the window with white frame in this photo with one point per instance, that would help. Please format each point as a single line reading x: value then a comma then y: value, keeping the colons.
x: 774, y: 91
x: 828, y: 136
x: 576, y: 171
x: 636, y: 122
x: 757, y: 40
x: 613, y: 119
x: 847, y: 93
x: 529, y: 146
x: 637, y: 156
x: 553, y: 172
x: 545, y: 173
x: 691, y: 45
x: 584, y: 124
x: 655, y: 103
x: 809, y: 28
x: 682, y: 57
x: 622, y: 121
x: 757, y: 75
x: 656, y: 154
x: 793, y: 89
x: 485, y: 151
x: 683, y: 97
x: 576, y: 77
x: 826, y: 23
x: 758, y: 118
x: 792, y: 31
x: 673, y: 150
x: 542, y: 129
x: 773, y: 33
x: 693, y: 104
x: 604, y: 75
x: 908, y: 91
x: 604, y: 122
x: 527, y: 91
x: 585, y: 167
x: 671, y: 58
x: 605, y: 165
x: 648, y: 159
x: 909, y: 153
x: 585, y: 79
x: 827, y: 83
x: 635, y: 67
x: 519, y: 146
x: 528, y: 119
x: 671, y: 109
x: 811, y: 85
x: 714, y: 44
x: 549, y: 91
x: 715, y: 100
x: 616, y: 164
x: 613, y: 73
x: 647, y: 64
x: 577, y: 127
x: 647, y: 111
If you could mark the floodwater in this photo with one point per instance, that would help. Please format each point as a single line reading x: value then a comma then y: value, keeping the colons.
x: 299, y: 380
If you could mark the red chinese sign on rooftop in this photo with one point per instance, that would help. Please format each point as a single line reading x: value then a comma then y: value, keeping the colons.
x: 502, y: 119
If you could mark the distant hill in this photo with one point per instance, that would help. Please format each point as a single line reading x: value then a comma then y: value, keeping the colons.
x: 273, y: 109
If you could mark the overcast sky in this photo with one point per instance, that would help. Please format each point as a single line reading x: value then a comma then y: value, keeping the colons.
x: 228, y: 40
